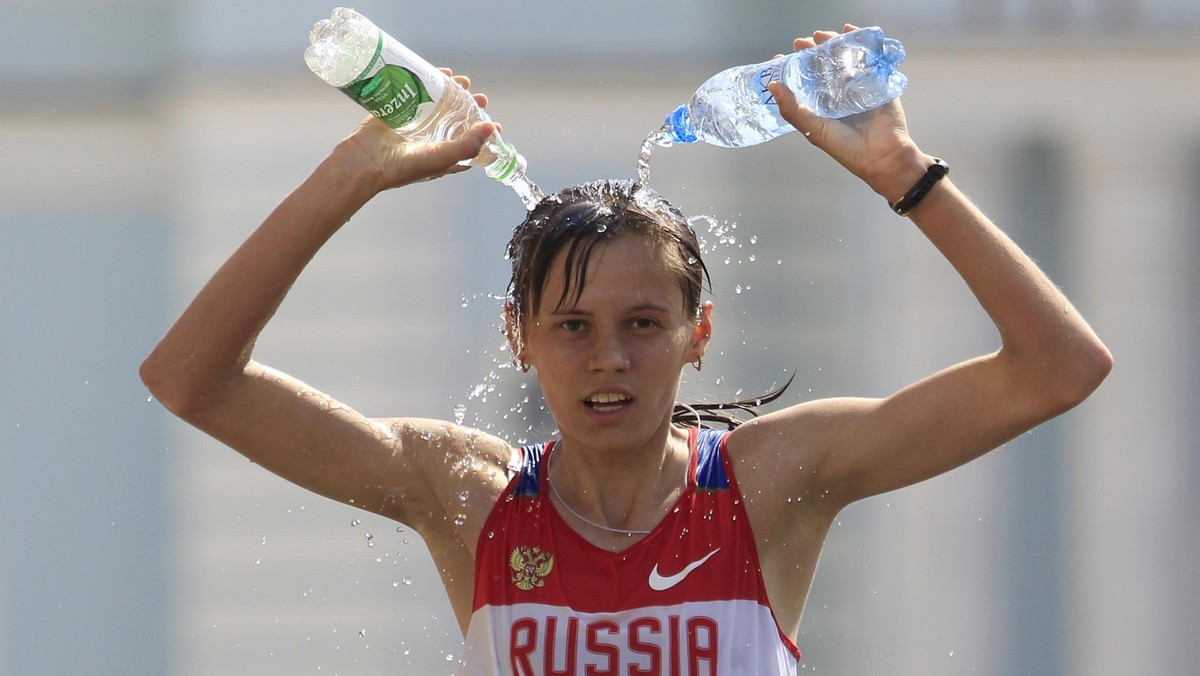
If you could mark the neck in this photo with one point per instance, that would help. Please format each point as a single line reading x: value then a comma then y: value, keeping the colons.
x: 619, y: 493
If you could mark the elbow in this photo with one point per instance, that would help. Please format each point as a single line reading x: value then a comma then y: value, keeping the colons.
x: 168, y: 383
x: 157, y: 378
x: 1080, y: 374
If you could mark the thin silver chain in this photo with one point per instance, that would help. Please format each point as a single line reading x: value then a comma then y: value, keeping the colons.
x: 588, y: 521
x: 593, y: 524
x: 577, y: 515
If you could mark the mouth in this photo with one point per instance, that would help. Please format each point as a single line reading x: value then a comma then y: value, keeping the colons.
x: 607, y: 402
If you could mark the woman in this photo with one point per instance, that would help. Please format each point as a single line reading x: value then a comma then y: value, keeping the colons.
x: 633, y: 544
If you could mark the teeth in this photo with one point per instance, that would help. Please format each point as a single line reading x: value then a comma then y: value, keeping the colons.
x: 607, y: 398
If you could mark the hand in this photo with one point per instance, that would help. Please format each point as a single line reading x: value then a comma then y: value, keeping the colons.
x: 875, y: 145
x: 393, y: 161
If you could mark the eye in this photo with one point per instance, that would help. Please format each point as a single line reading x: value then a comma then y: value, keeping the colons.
x: 644, y: 323
x: 573, y: 325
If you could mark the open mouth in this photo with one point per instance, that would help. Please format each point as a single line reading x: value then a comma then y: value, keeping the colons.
x: 607, y: 402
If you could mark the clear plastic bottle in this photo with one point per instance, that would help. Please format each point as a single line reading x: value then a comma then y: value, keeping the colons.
x: 851, y: 73
x: 351, y: 53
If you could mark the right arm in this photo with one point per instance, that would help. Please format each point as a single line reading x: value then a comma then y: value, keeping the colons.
x: 204, y: 372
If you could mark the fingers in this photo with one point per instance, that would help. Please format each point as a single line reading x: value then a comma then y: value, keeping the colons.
x: 425, y: 161
x: 823, y: 36
x: 465, y: 82
x: 801, y: 117
x: 803, y: 43
x: 471, y: 142
x: 450, y: 73
x: 462, y: 80
x: 819, y: 37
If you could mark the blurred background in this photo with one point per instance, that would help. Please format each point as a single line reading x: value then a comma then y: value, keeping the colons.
x: 141, y: 141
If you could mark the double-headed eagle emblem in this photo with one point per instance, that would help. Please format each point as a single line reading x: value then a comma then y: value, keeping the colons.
x: 530, y: 566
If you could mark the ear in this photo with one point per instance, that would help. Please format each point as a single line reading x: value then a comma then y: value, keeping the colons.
x: 701, y: 331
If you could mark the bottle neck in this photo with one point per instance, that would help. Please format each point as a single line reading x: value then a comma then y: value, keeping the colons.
x: 679, y: 126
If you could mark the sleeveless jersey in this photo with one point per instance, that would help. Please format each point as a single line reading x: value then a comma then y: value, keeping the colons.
x: 686, y: 600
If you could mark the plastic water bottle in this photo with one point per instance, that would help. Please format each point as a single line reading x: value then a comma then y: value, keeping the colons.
x: 419, y: 101
x: 851, y: 73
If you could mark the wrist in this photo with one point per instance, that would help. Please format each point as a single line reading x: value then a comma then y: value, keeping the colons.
x: 937, y: 171
x: 353, y: 171
x: 900, y: 171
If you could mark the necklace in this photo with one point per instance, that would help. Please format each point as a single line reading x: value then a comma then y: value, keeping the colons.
x: 628, y: 532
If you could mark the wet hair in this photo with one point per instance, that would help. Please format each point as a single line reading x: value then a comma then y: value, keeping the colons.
x: 579, y: 218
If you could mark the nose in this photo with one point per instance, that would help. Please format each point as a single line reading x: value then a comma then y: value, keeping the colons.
x: 609, y: 353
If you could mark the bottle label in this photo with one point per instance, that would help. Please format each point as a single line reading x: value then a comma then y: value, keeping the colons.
x: 393, y: 94
x: 396, y: 85
x: 771, y: 71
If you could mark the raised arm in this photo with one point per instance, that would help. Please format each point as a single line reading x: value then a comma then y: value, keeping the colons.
x: 204, y: 372
x: 1049, y: 359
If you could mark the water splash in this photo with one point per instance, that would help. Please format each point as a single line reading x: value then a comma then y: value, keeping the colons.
x: 659, y: 138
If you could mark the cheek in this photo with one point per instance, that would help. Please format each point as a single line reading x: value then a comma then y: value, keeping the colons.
x: 668, y: 354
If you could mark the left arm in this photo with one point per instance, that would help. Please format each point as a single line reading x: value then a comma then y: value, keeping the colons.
x: 1049, y: 360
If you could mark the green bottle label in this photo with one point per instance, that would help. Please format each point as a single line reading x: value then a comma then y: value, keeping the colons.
x: 393, y: 94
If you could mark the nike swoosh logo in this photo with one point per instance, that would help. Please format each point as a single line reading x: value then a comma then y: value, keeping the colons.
x: 660, y: 583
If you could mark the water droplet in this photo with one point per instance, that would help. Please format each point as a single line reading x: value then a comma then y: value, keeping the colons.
x: 738, y: 289
x: 407, y: 581
x: 370, y: 539
x: 463, y: 496
x: 362, y: 632
x: 460, y: 519
x: 460, y: 413
x: 355, y: 522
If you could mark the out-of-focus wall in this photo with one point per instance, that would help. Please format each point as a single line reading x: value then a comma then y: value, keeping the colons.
x: 139, y: 155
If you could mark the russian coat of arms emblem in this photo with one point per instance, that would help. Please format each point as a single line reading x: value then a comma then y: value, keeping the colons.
x: 530, y: 567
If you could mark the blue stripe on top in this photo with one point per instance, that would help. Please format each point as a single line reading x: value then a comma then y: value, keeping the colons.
x: 531, y: 463
x: 710, y: 471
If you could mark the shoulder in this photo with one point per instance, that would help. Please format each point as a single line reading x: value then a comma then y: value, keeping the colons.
x: 447, y: 461
x: 785, y: 453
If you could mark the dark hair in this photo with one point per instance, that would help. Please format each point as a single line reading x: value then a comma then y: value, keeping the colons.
x: 579, y: 218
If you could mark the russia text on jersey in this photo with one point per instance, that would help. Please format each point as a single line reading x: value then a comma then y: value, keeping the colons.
x: 676, y: 646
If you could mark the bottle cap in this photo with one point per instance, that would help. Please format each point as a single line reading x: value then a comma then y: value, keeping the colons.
x: 679, y: 126
x: 508, y: 161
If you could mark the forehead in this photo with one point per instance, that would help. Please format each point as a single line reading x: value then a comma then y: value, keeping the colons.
x: 626, y: 271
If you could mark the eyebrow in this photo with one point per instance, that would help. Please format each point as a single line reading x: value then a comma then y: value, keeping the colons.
x: 640, y: 307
